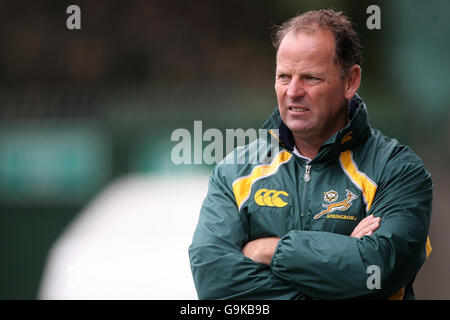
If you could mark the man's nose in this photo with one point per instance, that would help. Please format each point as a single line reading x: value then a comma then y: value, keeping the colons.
x: 295, y: 89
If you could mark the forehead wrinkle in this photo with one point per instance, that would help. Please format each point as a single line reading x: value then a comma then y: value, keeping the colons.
x: 309, y: 31
x: 311, y: 57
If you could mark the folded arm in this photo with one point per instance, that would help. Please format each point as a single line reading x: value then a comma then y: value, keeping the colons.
x: 219, y: 268
x: 325, y: 265
x: 262, y: 250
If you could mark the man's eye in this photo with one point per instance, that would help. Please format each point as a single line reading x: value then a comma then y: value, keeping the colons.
x: 283, y: 77
x: 312, y: 78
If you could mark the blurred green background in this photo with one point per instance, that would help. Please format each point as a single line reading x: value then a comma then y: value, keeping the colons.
x: 80, y: 108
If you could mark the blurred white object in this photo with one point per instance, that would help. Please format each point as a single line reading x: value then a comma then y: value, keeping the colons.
x: 131, y: 242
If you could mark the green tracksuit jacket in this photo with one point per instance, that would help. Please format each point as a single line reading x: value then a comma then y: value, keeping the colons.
x: 313, y: 209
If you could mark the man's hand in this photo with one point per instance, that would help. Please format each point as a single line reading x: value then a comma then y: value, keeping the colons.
x: 261, y: 250
x: 366, y: 227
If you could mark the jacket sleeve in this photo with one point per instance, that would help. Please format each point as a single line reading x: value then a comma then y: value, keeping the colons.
x: 332, y: 266
x: 220, y: 269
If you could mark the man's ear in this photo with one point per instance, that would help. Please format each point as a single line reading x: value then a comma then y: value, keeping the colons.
x: 352, y: 81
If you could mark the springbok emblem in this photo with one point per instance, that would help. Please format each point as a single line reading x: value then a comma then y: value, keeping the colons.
x: 341, y: 206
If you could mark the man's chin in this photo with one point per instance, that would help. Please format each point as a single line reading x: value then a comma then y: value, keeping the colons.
x: 298, y: 129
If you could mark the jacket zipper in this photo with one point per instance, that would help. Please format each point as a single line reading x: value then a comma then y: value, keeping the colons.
x: 306, y: 178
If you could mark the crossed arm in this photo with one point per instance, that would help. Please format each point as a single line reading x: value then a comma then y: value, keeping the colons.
x: 262, y: 250
x: 316, y: 264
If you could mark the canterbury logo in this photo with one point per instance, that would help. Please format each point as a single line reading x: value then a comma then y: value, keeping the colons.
x: 270, y: 198
x: 341, y: 206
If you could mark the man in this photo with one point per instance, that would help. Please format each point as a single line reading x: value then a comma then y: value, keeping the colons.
x: 337, y: 200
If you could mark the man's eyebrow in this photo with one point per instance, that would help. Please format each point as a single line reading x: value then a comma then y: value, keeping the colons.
x: 312, y: 73
x: 281, y: 70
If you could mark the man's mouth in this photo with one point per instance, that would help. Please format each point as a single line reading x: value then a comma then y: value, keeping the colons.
x: 298, y: 109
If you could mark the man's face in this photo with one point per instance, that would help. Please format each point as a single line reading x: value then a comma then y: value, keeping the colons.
x: 310, y: 92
